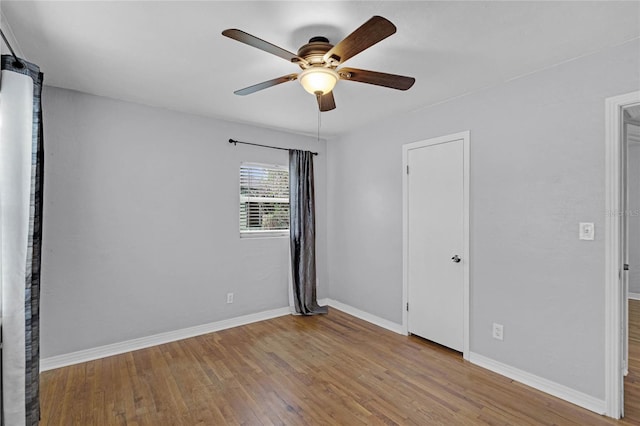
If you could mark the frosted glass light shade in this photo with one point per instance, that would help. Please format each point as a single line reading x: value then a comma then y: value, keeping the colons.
x: 318, y: 79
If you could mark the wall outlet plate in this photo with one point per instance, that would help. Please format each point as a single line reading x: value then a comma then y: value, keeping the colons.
x: 498, y: 331
x: 229, y: 297
x: 587, y: 230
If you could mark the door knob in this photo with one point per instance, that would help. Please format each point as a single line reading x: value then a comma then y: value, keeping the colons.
x: 456, y: 259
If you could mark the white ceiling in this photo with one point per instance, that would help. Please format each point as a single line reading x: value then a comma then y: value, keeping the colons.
x: 172, y: 55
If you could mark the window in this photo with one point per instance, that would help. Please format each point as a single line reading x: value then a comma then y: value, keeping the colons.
x: 264, y: 200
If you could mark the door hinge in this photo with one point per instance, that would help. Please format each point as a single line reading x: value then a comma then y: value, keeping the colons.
x: 407, y: 306
x: 407, y: 169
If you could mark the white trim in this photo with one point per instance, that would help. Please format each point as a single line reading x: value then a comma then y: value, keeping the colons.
x: 633, y: 296
x: 466, y: 350
x: 375, y: 320
x: 265, y: 233
x: 465, y: 136
x: 560, y: 391
x: 614, y: 385
x: 157, y: 339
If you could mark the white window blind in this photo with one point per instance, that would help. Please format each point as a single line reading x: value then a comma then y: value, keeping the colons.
x: 264, y: 199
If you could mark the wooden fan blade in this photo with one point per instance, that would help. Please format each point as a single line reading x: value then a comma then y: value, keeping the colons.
x: 256, y: 42
x: 371, y: 32
x: 326, y: 102
x: 393, y: 81
x: 266, y: 84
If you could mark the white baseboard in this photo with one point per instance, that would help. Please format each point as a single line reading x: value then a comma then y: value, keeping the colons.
x: 380, y: 322
x: 552, y: 388
x: 157, y: 339
x: 634, y: 296
x: 560, y: 391
x: 544, y: 385
x: 171, y: 336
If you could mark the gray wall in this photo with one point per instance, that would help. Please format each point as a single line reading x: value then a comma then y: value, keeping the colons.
x: 537, y: 170
x: 141, y: 222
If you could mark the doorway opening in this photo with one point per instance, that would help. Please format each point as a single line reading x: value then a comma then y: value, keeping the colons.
x: 617, y: 226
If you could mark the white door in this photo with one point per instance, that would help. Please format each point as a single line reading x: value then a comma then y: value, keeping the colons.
x: 436, y: 242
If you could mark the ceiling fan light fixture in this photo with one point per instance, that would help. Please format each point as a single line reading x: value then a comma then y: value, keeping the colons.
x: 318, y: 80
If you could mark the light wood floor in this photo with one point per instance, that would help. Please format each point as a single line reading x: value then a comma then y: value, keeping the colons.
x: 329, y: 370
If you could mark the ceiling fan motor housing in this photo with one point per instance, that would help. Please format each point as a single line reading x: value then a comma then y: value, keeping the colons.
x: 314, y: 51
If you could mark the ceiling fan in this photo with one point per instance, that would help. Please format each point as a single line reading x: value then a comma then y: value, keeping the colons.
x: 320, y: 60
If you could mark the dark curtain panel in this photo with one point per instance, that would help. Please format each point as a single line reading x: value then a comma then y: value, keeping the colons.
x: 34, y: 244
x: 302, y: 233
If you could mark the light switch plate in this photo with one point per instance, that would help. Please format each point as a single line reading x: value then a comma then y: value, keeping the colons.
x: 587, y: 229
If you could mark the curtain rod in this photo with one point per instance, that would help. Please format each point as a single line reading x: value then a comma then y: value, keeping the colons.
x: 233, y: 141
x: 16, y: 62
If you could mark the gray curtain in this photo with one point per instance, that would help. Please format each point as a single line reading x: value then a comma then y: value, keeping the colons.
x: 302, y: 233
x: 21, y: 185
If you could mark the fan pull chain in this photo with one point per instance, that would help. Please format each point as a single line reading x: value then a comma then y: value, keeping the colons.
x: 319, y: 119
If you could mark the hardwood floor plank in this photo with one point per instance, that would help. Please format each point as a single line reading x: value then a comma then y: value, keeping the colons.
x: 320, y: 370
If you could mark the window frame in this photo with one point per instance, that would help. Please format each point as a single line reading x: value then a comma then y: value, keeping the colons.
x: 260, y: 233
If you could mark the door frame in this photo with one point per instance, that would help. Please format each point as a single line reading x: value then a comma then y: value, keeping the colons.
x: 614, y: 302
x: 465, y: 136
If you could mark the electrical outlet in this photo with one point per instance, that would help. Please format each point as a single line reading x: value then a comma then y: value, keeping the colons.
x: 229, y: 297
x: 498, y: 331
x: 587, y: 230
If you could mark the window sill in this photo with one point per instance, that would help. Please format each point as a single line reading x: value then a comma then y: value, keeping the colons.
x: 265, y: 234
